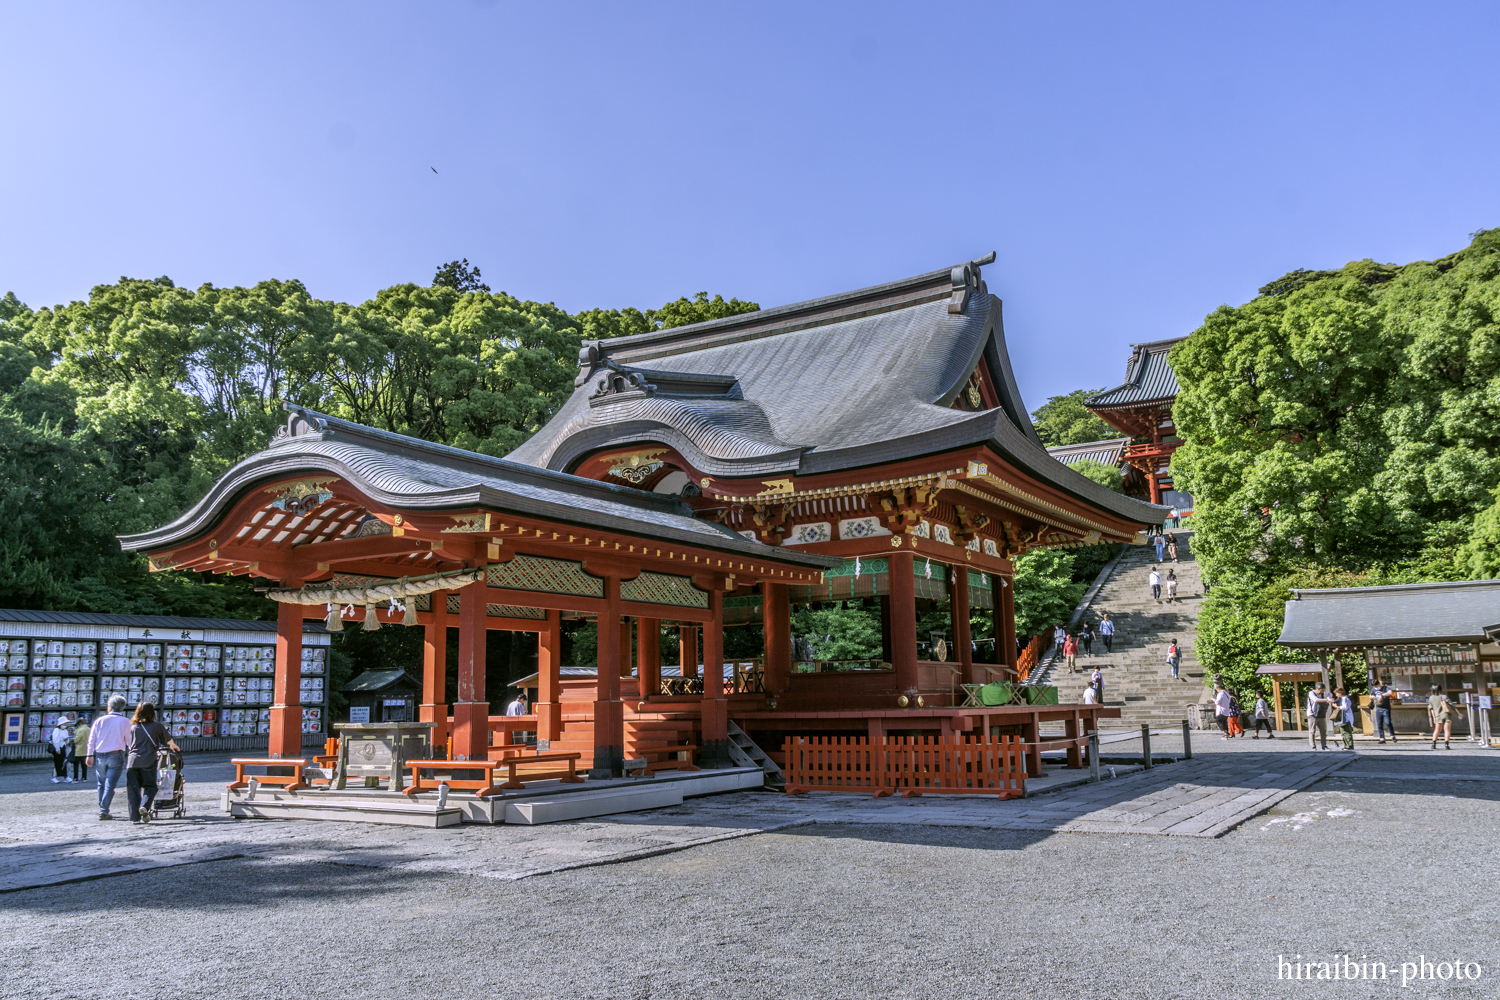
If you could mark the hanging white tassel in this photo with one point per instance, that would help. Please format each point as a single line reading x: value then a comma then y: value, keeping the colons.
x: 372, y: 621
x: 348, y: 611
x: 410, y: 617
x: 335, y: 621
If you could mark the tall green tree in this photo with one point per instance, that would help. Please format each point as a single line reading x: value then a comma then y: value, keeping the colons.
x: 1066, y: 420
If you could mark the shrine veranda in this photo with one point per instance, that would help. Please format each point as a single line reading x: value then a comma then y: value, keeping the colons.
x: 870, y: 445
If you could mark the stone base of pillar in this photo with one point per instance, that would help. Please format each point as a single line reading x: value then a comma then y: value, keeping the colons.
x: 471, y: 730
x: 609, y: 762
x: 286, y: 732
x: 714, y: 753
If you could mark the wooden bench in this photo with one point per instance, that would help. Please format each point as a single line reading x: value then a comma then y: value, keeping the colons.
x: 487, y: 786
x: 291, y: 782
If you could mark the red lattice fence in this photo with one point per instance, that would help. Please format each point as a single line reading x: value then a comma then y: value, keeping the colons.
x: 911, y: 765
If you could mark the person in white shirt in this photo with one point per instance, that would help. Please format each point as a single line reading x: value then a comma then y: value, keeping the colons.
x: 1156, y: 585
x: 109, y: 739
x: 1222, y: 709
x: 517, y: 707
x: 1171, y: 585
x: 1088, y: 696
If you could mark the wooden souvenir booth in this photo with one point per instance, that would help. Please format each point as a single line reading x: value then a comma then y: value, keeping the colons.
x: 869, y: 446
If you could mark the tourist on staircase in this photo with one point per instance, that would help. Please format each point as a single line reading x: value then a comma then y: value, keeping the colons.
x: 1155, y: 581
x: 1174, y: 659
x: 1070, y: 650
x: 1161, y: 545
x: 1086, y: 639
x: 1097, y: 683
x: 1171, y: 585
x: 1172, y: 546
x: 1107, y: 633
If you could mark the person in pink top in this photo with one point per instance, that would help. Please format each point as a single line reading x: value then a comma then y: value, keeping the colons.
x: 109, y: 739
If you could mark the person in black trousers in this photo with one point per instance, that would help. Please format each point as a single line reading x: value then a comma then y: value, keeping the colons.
x: 147, y: 736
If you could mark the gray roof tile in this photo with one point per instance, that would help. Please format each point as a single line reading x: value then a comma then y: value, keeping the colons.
x: 1355, y: 617
x: 1149, y: 377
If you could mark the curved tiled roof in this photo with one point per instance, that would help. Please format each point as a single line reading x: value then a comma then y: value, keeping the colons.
x: 1406, y: 614
x: 1149, y: 377
x: 408, y: 473
x: 853, y: 380
x: 1110, y: 452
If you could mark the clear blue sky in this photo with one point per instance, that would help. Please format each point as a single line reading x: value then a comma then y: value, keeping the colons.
x: 1134, y: 165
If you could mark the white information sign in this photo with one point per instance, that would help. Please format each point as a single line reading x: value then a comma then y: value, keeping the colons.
x: 361, y: 714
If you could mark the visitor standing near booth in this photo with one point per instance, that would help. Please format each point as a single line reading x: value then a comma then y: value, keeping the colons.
x: 108, y: 741
x: 80, y: 751
x: 1441, y: 711
x: 60, y: 745
x: 1318, y: 704
x: 1345, y: 706
x: 1382, y: 696
x: 147, y: 736
x: 1107, y: 633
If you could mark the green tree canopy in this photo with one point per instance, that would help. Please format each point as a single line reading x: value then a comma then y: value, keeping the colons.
x: 1065, y: 420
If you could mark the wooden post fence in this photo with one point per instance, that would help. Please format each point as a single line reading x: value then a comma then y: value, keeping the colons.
x: 966, y: 765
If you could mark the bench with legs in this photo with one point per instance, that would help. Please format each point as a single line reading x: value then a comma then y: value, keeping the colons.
x: 512, y: 765
x: 291, y: 782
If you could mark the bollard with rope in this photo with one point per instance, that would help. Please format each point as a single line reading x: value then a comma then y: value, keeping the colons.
x: 1146, y: 745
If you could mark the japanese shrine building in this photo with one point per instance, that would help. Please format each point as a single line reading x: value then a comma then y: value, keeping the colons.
x: 868, y: 445
x: 1141, y: 407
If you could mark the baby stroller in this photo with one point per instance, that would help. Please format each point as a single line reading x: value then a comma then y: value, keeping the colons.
x: 169, y: 791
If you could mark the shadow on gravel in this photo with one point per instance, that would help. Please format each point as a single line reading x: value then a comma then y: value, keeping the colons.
x: 923, y: 836
x: 228, y: 882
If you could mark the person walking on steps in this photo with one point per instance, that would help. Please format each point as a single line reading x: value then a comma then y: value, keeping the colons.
x: 1107, y: 633
x: 1086, y: 639
x: 1263, y: 719
x: 1172, y: 546
x: 1174, y: 659
x: 1171, y: 585
x: 1155, y: 580
x: 1070, y: 650
x: 1059, y: 635
x: 60, y: 746
x: 1097, y: 682
x: 1161, y: 546
x: 80, y: 751
x: 1088, y: 696
x: 108, y: 740
x: 1382, y: 697
x: 1221, y: 710
x: 1318, y: 705
x: 1441, y: 711
x: 147, y: 736
x: 1345, y: 707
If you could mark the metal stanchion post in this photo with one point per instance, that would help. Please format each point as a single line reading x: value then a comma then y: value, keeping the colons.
x: 1093, y: 755
x: 1187, y: 741
x: 1146, y: 745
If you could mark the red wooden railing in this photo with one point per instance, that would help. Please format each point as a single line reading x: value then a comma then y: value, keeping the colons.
x: 1032, y: 653
x: 967, y: 765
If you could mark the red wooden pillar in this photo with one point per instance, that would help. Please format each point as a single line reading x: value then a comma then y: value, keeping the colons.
x: 434, y: 707
x: 776, y: 610
x: 1005, y: 621
x: 471, y: 713
x: 687, y: 644
x: 286, y: 713
x: 715, y: 743
x: 609, y: 711
x: 647, y: 657
x: 958, y: 603
x: 903, y: 605
x: 548, y: 660
x: 627, y: 641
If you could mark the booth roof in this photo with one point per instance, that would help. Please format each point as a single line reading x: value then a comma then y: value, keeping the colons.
x: 380, y: 680
x: 1297, y: 669
x: 142, y: 621
x: 1404, y: 615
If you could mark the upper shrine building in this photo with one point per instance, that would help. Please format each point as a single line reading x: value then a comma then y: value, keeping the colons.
x: 870, y: 445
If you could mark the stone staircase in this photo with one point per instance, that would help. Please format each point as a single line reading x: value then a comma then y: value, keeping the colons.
x: 1136, y: 678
